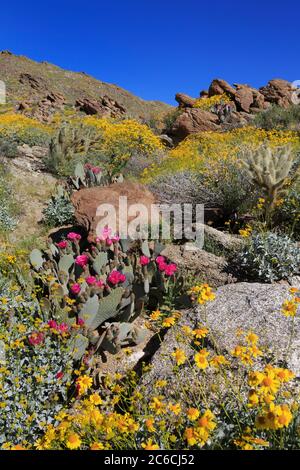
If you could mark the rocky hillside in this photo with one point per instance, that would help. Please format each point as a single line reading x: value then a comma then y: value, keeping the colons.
x: 40, y: 89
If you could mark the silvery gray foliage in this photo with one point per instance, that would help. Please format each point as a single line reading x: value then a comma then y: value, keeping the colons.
x: 7, y: 222
x: 270, y: 257
x: 59, y: 211
x: 34, y: 378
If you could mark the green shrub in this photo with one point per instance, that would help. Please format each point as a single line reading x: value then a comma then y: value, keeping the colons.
x: 269, y: 257
x: 277, y: 117
x: 36, y: 366
x: 7, y: 206
x: 287, y: 214
x: 59, y: 211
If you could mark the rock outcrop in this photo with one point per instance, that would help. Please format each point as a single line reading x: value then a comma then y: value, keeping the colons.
x: 87, y: 201
x: 237, y: 307
x: 192, y: 121
x: 245, y: 102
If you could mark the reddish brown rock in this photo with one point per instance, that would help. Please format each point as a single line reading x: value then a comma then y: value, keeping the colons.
x: 243, y: 98
x: 105, y: 106
x: 194, y: 120
x: 184, y: 101
x: 279, y: 92
x: 218, y: 87
x: 86, y: 202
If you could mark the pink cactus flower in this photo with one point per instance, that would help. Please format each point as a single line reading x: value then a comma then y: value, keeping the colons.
x: 160, y: 259
x: 170, y: 269
x: 75, y: 289
x: 62, y: 244
x: 88, y: 166
x: 115, y: 238
x: 91, y: 280
x: 63, y: 328
x: 80, y: 321
x: 52, y: 324
x: 144, y: 260
x: 109, y: 242
x: 82, y: 260
x: 100, y: 283
x: 96, y: 170
x: 116, y: 277
x: 73, y: 236
x: 162, y: 266
x: 105, y: 234
x: 36, y: 338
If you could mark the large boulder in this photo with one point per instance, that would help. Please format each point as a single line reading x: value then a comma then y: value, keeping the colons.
x: 278, y: 92
x: 240, y: 306
x: 219, y: 87
x: 87, y: 201
x: 192, y: 121
x: 255, y: 307
x: 200, y: 264
x: 184, y: 101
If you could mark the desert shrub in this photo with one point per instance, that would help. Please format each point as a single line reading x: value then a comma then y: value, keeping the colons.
x: 59, y: 211
x: 215, y: 400
x: 221, y: 184
x: 269, y: 257
x: 7, y: 206
x: 124, y: 138
x: 35, y: 361
x: 201, y: 150
x: 170, y: 118
x: 16, y: 129
x: 277, y: 117
x: 208, y: 103
x: 287, y: 212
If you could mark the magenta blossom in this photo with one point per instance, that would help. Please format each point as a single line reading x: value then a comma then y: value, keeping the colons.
x: 116, y: 277
x: 96, y: 170
x: 82, y: 260
x: 80, y: 321
x: 160, y: 259
x: 100, y: 283
x: 75, y: 289
x: 88, y: 166
x: 73, y: 236
x: 115, y: 238
x: 170, y: 269
x: 62, y: 244
x: 63, y: 328
x: 52, y: 324
x: 144, y: 260
x: 162, y: 266
x: 91, y: 280
x: 36, y: 338
x: 105, y: 234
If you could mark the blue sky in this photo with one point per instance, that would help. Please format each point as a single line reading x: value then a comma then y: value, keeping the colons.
x: 159, y: 47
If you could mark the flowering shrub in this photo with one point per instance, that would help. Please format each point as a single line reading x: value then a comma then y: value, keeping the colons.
x: 208, y: 103
x: 199, y: 151
x: 35, y: 368
x: 18, y: 129
x: 234, y: 401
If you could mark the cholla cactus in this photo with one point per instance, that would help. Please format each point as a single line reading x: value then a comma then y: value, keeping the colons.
x: 70, y: 141
x: 269, y: 169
